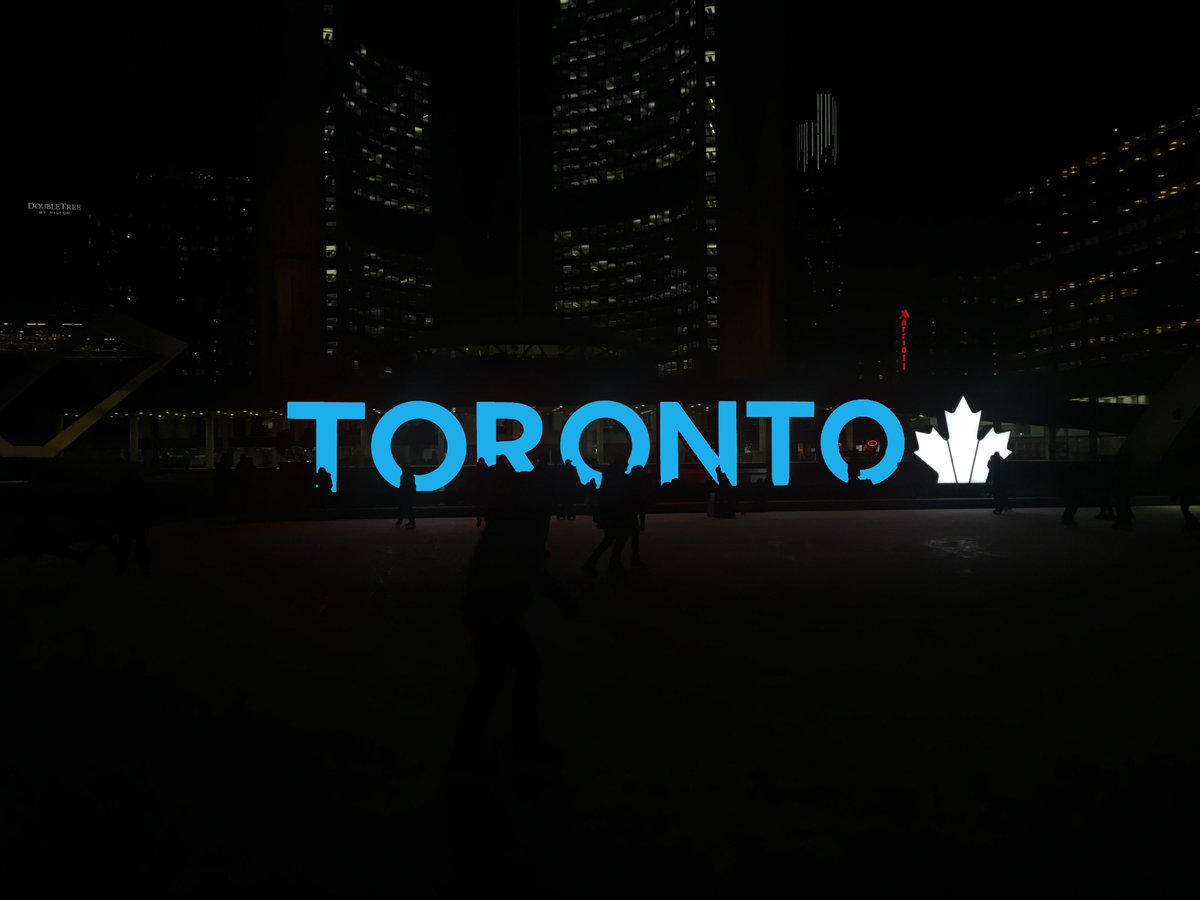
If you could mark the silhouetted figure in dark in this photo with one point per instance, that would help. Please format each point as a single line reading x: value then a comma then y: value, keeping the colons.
x: 646, y: 490
x: 1180, y: 475
x: 408, y: 498
x: 482, y: 486
x: 1123, y: 495
x: 566, y: 490
x: 561, y: 489
x: 503, y: 577
x: 724, y: 498
x: 589, y: 498
x: 616, y: 514
x: 762, y: 495
x: 671, y: 490
x: 572, y: 489
x: 541, y: 483
x: 1186, y: 477
x: 853, y: 471
x: 133, y: 521
x: 641, y: 493
x: 323, y: 483
x: 1071, y: 486
x: 998, y: 476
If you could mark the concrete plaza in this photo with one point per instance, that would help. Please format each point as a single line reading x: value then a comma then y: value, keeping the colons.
x: 896, y: 702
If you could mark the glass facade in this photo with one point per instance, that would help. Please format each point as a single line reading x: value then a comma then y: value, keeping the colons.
x: 634, y: 173
x: 378, y: 187
x: 814, y: 269
x: 1102, y: 245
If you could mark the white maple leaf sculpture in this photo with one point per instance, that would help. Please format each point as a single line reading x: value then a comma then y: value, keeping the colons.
x: 961, y: 458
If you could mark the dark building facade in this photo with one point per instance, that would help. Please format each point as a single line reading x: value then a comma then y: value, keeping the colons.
x: 141, y: 283
x: 377, y: 200
x: 173, y: 250
x: 953, y: 330
x: 815, y: 271
x: 55, y: 243
x: 347, y: 263
x: 1103, y: 269
x: 177, y: 251
x: 635, y: 200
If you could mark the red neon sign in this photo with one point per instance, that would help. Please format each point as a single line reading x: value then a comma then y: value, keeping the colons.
x: 904, y: 340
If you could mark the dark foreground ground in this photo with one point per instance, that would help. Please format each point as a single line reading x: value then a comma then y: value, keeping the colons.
x: 825, y: 704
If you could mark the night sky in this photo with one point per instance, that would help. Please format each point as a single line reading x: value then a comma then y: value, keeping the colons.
x: 933, y: 130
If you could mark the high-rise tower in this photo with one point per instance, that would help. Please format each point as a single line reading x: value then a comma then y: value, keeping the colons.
x: 377, y: 200
x: 815, y: 283
x: 634, y: 174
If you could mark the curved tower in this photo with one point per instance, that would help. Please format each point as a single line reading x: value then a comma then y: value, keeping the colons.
x: 634, y: 174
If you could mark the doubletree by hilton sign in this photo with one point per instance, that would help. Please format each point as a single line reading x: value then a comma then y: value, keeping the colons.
x: 949, y: 458
x: 54, y: 209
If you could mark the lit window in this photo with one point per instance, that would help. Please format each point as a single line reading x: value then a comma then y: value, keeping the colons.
x: 327, y: 35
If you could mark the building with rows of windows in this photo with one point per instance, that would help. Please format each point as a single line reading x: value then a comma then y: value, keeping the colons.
x: 634, y: 174
x: 378, y: 186
x: 1104, y: 270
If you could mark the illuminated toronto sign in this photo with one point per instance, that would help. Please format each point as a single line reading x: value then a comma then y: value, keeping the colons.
x: 674, y: 425
x: 962, y: 457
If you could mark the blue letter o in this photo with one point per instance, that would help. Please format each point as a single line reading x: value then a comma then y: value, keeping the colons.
x: 862, y: 409
x: 639, y: 437
x: 456, y: 443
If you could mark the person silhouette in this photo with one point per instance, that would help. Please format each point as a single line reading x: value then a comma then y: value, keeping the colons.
x: 482, y: 486
x: 323, y: 482
x: 998, y: 476
x: 725, y: 504
x: 589, y: 497
x: 571, y: 489
x: 1105, y: 486
x: 1180, y: 475
x: 540, y: 484
x: 615, y: 514
x: 640, y: 489
x: 503, y: 577
x: 1071, y: 487
x: 762, y: 495
x: 408, y: 496
x: 854, y: 476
